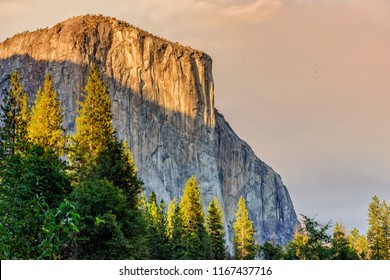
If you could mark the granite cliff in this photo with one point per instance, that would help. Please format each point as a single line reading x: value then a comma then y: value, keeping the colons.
x: 163, y: 105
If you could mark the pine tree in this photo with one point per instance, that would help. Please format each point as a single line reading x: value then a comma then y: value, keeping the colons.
x: 142, y: 203
x: 45, y: 127
x: 177, y: 241
x: 156, y: 217
x: 14, y: 117
x: 191, y: 207
x: 23, y: 120
x: 341, y: 248
x: 359, y: 243
x: 170, y: 218
x: 196, y: 239
x: 297, y: 248
x: 244, y: 241
x: 94, y: 130
x: 374, y: 233
x: 215, y: 230
x: 384, y: 223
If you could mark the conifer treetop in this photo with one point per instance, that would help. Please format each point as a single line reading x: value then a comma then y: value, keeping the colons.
x: 215, y: 230
x: 14, y: 117
x: 190, y: 205
x: 45, y: 127
x: 94, y: 130
x: 244, y: 242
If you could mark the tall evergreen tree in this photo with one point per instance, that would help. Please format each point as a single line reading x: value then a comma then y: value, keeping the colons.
x: 45, y: 127
x: 191, y: 207
x: 297, y: 248
x: 193, y: 221
x: 374, y: 233
x: 170, y: 217
x: 14, y: 117
x: 244, y: 241
x: 341, y: 248
x: 94, y: 130
x: 23, y: 120
x: 177, y: 240
x: 384, y: 223
x: 156, y: 217
x: 215, y: 230
x: 359, y: 244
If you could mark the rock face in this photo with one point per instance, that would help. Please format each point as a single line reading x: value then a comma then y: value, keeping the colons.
x: 163, y: 105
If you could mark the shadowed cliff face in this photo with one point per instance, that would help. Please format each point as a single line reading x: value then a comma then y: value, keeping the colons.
x: 163, y: 105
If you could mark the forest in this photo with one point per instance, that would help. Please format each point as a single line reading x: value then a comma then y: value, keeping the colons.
x: 79, y: 196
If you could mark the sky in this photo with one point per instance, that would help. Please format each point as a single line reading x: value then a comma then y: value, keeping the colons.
x: 303, y: 82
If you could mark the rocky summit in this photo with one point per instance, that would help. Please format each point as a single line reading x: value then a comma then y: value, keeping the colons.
x: 163, y: 104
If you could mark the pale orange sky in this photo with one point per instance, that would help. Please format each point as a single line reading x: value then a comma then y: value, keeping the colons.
x: 304, y: 82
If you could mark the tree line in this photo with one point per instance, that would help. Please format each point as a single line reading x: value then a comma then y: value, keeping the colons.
x: 312, y: 240
x: 79, y: 196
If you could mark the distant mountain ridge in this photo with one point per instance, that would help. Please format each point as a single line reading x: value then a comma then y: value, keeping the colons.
x: 163, y: 105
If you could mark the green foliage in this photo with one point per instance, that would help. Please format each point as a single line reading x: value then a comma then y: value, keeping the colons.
x: 45, y: 127
x: 157, y: 218
x: 98, y: 203
x: 191, y: 211
x: 191, y: 207
x: 359, y: 244
x: 22, y: 121
x: 32, y: 227
x: 297, y: 248
x: 41, y: 171
x: 244, y: 241
x: 109, y: 229
x: 215, y: 230
x: 378, y: 234
x: 384, y: 222
x: 310, y: 242
x: 116, y: 165
x: 196, y: 246
x: 14, y: 117
x: 271, y: 251
x: 94, y: 130
x: 374, y: 231
x: 60, y: 230
x: 170, y: 217
x: 341, y: 248
x: 35, y: 231
x: 177, y: 240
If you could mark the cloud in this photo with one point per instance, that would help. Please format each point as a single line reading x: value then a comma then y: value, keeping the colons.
x: 206, y: 14
x: 252, y: 11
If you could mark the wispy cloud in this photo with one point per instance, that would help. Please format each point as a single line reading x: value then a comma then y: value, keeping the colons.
x: 253, y: 11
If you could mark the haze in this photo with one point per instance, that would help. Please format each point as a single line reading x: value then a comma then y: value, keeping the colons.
x: 304, y: 82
